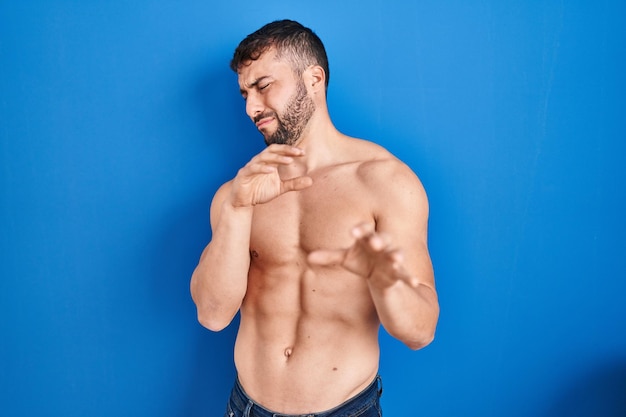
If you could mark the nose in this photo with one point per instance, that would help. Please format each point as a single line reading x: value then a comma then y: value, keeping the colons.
x: 254, y: 106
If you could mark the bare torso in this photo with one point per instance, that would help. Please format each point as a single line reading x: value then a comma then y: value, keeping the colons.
x: 308, y: 337
x: 317, y: 245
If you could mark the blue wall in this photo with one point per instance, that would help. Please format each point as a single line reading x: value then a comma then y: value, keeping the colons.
x: 119, y: 119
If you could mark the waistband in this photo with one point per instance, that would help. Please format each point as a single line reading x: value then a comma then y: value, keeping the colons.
x: 244, y: 402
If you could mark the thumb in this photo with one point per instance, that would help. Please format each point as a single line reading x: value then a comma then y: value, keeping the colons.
x: 296, y: 184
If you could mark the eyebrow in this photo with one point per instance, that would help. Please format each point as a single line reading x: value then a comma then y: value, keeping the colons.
x: 253, y: 84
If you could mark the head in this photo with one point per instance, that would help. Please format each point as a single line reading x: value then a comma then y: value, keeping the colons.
x: 272, y: 64
x: 299, y: 45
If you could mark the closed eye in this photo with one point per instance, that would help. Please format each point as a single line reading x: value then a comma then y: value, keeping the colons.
x: 259, y: 84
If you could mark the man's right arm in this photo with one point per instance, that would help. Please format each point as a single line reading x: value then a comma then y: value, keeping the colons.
x: 219, y: 282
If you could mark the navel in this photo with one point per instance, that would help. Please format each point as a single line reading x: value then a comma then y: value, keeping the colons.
x: 288, y: 352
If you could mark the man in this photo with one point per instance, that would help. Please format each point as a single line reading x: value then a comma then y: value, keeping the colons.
x: 318, y: 240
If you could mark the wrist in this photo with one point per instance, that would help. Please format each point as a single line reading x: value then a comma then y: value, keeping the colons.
x: 236, y: 208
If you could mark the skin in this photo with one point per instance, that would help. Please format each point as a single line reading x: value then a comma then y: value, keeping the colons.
x: 317, y: 244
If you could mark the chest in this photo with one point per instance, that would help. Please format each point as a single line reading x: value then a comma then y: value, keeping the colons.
x: 320, y: 217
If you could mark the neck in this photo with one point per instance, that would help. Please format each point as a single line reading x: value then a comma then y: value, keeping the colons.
x: 319, y: 141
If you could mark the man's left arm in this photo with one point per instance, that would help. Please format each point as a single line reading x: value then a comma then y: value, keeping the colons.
x: 392, y: 254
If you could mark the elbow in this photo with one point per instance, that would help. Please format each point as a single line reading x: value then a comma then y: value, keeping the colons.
x: 420, y: 342
x: 414, y: 339
x: 213, y: 322
x: 213, y: 317
x: 420, y: 335
x: 210, y: 314
x: 423, y: 334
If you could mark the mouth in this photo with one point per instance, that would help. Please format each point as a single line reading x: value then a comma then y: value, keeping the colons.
x: 260, y: 124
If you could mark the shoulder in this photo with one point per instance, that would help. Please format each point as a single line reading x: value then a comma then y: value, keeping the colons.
x: 380, y: 168
x: 391, y: 183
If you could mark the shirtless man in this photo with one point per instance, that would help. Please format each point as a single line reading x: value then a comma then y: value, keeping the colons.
x: 317, y: 241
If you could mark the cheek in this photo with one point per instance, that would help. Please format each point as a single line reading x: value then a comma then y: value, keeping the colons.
x: 277, y: 99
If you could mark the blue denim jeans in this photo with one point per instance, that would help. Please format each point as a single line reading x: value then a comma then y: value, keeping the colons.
x: 364, y: 404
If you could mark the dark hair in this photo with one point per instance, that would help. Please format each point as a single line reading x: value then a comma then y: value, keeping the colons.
x: 296, y: 43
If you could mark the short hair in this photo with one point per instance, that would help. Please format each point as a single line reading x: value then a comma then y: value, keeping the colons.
x: 294, y: 42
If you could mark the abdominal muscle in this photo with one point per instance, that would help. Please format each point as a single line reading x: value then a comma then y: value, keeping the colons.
x: 307, y: 341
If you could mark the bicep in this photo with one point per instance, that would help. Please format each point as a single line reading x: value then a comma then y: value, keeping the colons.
x: 402, y: 213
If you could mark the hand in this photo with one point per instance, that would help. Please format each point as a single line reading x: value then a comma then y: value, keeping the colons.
x: 259, y: 182
x: 371, y: 256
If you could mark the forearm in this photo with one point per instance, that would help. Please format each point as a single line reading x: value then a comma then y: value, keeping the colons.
x: 219, y: 282
x: 408, y: 313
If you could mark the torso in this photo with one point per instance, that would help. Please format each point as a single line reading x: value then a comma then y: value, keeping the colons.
x: 308, y: 337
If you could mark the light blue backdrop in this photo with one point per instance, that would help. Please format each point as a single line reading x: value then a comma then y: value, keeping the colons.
x: 119, y: 119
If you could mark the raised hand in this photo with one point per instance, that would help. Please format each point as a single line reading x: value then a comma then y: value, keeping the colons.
x: 259, y: 181
x: 372, y: 256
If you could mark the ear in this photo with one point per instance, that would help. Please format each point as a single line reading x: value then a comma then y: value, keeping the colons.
x: 316, y: 78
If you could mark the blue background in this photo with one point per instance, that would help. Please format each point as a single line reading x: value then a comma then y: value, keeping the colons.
x: 119, y: 119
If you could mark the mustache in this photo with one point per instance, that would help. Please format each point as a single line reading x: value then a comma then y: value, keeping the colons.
x: 263, y: 116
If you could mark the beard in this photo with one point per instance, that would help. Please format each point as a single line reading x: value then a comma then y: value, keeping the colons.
x: 298, y: 111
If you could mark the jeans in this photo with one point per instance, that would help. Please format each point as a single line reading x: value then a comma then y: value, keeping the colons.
x: 364, y: 404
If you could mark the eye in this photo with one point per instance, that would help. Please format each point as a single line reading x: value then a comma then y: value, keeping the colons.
x: 264, y: 86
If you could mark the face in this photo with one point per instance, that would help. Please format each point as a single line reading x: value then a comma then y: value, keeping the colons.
x: 292, y: 121
x: 276, y: 99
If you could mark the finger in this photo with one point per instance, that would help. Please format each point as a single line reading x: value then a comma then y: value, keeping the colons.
x: 271, y: 158
x: 410, y: 280
x: 362, y: 229
x: 287, y: 150
x: 326, y: 257
x: 282, y: 150
x: 296, y: 184
x: 259, y: 167
x: 252, y: 169
x: 371, y: 241
x: 266, y: 162
x: 379, y: 242
x: 277, y: 154
x: 397, y: 258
